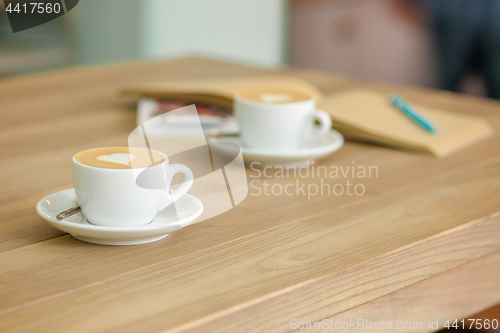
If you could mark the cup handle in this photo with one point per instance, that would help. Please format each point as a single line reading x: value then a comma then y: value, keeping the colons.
x: 185, y: 186
x: 325, y: 122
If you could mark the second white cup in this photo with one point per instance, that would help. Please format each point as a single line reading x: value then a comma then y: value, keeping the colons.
x: 278, y: 119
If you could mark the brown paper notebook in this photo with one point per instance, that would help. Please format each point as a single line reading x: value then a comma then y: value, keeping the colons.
x: 368, y: 116
x: 218, y: 91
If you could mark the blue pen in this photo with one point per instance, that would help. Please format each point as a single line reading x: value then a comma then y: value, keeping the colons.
x: 412, y: 113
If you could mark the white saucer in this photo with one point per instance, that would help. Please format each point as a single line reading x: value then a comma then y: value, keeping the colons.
x: 168, y: 220
x: 308, y: 151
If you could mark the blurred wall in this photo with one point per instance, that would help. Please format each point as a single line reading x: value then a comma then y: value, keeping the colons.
x: 366, y: 39
x: 241, y: 30
x: 108, y: 30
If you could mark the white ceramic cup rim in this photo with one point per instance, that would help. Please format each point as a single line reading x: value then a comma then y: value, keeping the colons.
x: 122, y: 170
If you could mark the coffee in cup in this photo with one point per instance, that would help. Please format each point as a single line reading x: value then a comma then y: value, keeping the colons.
x: 278, y: 118
x: 125, y: 187
x: 119, y: 158
x: 268, y: 96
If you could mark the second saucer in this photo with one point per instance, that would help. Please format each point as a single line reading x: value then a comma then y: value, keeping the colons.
x: 317, y: 148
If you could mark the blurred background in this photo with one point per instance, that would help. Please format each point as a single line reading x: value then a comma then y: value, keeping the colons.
x: 450, y: 44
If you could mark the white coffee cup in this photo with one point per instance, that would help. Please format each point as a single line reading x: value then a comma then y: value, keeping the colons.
x: 278, y: 119
x: 112, y: 197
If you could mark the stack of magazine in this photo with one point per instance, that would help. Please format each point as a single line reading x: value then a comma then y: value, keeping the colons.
x: 213, y: 99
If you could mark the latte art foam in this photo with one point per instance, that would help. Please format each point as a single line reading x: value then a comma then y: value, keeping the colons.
x: 277, y: 96
x: 119, y: 158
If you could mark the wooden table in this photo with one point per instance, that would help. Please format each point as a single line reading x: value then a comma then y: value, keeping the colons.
x: 421, y: 243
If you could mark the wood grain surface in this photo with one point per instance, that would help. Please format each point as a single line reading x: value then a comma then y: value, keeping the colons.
x: 253, y: 268
x: 457, y: 294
